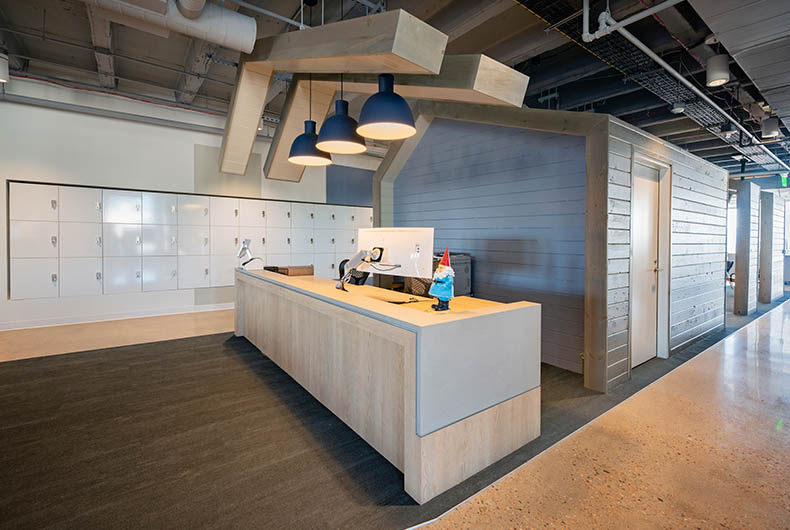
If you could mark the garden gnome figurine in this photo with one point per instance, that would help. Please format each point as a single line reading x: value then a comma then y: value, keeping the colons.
x: 442, y: 286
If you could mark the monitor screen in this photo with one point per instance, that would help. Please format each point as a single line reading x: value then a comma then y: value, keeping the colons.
x: 411, y: 249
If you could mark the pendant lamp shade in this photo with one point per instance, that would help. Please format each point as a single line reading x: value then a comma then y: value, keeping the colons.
x: 718, y: 70
x: 770, y: 127
x: 339, y: 133
x: 386, y: 115
x: 303, y: 149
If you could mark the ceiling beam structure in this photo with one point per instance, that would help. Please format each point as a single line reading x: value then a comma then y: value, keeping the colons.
x: 101, y: 36
x: 11, y: 43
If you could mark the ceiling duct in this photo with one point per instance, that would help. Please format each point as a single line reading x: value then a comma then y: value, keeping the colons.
x: 215, y: 24
x: 637, y: 66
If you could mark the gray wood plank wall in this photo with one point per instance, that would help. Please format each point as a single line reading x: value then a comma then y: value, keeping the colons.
x: 515, y: 200
x: 697, y: 239
x: 747, y: 246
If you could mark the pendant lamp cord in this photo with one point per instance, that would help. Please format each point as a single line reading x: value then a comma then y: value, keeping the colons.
x: 310, y: 104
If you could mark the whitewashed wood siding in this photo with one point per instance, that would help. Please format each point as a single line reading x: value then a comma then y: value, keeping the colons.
x: 772, y: 224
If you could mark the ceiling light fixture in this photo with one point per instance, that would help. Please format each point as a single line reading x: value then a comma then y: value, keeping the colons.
x: 678, y: 108
x: 386, y: 115
x: 303, y: 149
x: 718, y: 69
x: 339, y: 133
x: 770, y: 127
x: 3, y: 68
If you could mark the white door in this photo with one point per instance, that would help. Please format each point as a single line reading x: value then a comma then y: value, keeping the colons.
x: 325, y: 266
x: 122, y: 275
x: 224, y: 240
x: 257, y: 237
x: 34, y: 278
x: 80, y: 205
x: 302, y: 215
x: 193, y: 272
x: 80, y: 240
x: 160, y: 273
x: 122, y: 206
x: 160, y: 240
x: 160, y: 208
x: 33, y: 202
x: 644, y: 265
x: 33, y: 239
x: 325, y: 216
x: 278, y: 240
x: 252, y: 212
x: 222, y: 270
x: 224, y: 211
x: 302, y: 241
x: 193, y: 210
x: 193, y: 240
x: 278, y: 214
x: 324, y: 241
x: 80, y: 276
x: 122, y: 239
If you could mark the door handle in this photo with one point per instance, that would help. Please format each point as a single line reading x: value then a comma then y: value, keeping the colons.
x: 658, y: 269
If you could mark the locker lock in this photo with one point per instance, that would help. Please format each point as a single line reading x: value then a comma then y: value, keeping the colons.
x: 236, y: 212
x: 333, y: 240
x: 205, y: 241
x: 54, y: 241
x: 312, y: 215
x: 289, y: 215
x: 352, y: 217
x: 98, y: 206
x: 205, y: 211
x: 54, y: 278
x: 263, y: 213
x: 54, y: 204
x: 98, y: 241
x: 333, y: 217
x: 137, y: 274
x: 289, y: 240
x: 235, y: 240
x: 205, y: 271
x: 173, y: 274
x: 352, y: 240
x: 172, y: 208
x: 98, y: 276
x: 311, y: 240
x: 263, y: 241
x: 137, y: 239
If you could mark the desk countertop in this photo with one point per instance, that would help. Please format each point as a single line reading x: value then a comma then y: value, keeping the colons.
x: 383, y: 304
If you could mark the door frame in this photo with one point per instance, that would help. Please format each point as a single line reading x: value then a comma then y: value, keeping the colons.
x: 664, y: 250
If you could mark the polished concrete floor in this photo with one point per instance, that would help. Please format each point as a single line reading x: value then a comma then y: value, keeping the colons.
x: 706, y: 446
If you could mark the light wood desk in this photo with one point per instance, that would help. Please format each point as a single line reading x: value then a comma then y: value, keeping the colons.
x: 440, y: 395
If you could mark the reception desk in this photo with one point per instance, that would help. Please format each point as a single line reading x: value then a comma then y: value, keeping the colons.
x: 440, y: 395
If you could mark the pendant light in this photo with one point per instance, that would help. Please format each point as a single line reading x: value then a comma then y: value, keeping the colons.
x: 770, y: 127
x: 303, y: 149
x: 339, y: 133
x: 718, y: 69
x: 386, y: 115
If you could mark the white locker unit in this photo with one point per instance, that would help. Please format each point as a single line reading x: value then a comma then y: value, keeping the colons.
x: 160, y: 208
x: 32, y: 202
x: 160, y: 240
x: 193, y: 272
x: 160, y: 273
x: 302, y: 241
x: 224, y: 211
x: 193, y: 240
x: 81, y: 276
x: 80, y: 205
x: 122, y: 206
x: 122, y: 274
x: 278, y: 214
x: 278, y: 240
x: 302, y: 215
x: 224, y: 240
x: 252, y: 212
x: 34, y: 278
x: 121, y: 240
x: 193, y: 210
x: 33, y: 239
x: 80, y: 240
x: 257, y: 237
x: 325, y: 266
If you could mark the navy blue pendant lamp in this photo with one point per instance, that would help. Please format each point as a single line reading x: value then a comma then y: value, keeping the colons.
x: 339, y: 133
x: 386, y: 115
x: 303, y: 150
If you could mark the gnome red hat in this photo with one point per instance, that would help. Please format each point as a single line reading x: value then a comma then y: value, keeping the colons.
x: 446, y: 258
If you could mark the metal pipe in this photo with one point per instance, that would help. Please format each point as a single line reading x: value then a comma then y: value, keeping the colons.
x: 270, y: 14
x: 757, y: 174
x: 647, y: 51
x: 605, y: 29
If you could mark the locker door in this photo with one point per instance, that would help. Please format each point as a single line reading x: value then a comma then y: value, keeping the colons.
x: 33, y: 202
x: 33, y: 239
x: 193, y: 240
x: 257, y: 237
x: 222, y: 270
x: 302, y: 241
x: 346, y: 217
x: 325, y: 266
x: 278, y: 240
x: 122, y: 206
x: 122, y: 275
x: 224, y: 241
x: 193, y: 272
x: 302, y: 215
x: 346, y: 243
x: 325, y: 216
x: 122, y: 240
x: 80, y: 240
x: 252, y: 212
x: 160, y: 208
x: 324, y: 241
x: 160, y: 240
x: 224, y: 211
x: 80, y: 276
x: 160, y: 273
x: 364, y: 218
x: 81, y: 205
x: 193, y: 210
x: 278, y: 214
x: 34, y: 278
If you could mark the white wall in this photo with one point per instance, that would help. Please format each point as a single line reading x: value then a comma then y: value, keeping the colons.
x: 46, y: 145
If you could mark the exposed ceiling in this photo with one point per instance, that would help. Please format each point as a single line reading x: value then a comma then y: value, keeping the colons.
x: 56, y: 39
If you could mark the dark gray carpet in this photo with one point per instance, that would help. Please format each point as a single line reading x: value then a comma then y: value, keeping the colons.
x: 207, y: 433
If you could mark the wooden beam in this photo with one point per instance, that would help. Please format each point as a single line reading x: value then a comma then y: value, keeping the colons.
x: 246, y: 109
x: 393, y: 41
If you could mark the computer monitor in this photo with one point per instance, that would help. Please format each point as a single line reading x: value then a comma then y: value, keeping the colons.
x: 407, y: 251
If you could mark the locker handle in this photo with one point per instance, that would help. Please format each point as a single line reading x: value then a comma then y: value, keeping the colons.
x: 333, y: 265
x: 98, y: 276
x: 333, y: 217
x: 205, y: 272
x: 137, y: 239
x: 333, y: 240
x: 172, y: 208
x: 54, y: 204
x: 54, y: 241
x: 263, y: 213
x: 289, y: 240
x: 137, y: 207
x: 173, y: 240
x: 98, y: 241
x: 235, y: 240
x: 352, y: 217
x: 205, y: 211
x: 98, y: 206
x: 236, y: 212
x: 288, y: 214
x: 312, y: 215
x: 263, y: 241
x: 137, y: 274
x: 173, y: 274
x: 54, y: 278
x: 352, y: 240
x: 311, y: 240
x: 205, y: 241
